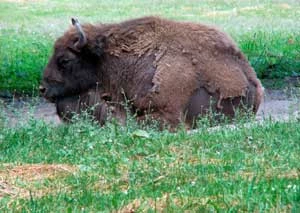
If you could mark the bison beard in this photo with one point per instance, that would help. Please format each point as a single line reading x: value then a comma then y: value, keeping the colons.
x: 89, y: 102
x: 170, y: 71
x: 93, y: 102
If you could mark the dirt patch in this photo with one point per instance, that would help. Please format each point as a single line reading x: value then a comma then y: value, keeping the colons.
x: 23, y: 180
x: 21, y: 109
x: 278, y: 105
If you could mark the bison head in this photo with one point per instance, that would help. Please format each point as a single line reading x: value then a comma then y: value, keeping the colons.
x: 72, y: 68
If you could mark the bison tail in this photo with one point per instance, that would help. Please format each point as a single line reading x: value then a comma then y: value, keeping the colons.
x: 259, y: 96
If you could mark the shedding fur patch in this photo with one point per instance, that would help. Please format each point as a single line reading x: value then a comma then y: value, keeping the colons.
x: 186, y: 53
x: 136, y: 42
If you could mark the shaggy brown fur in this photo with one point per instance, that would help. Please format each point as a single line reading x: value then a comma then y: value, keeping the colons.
x: 166, y: 69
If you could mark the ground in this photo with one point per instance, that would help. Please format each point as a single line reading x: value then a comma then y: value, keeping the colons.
x: 278, y: 104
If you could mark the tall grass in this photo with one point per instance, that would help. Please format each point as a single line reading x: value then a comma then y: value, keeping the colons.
x: 273, y: 55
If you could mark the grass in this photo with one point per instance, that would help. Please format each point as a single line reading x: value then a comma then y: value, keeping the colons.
x: 81, y: 167
x: 274, y: 55
x: 267, y: 31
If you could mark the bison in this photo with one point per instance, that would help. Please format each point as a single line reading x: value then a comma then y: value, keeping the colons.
x: 170, y: 71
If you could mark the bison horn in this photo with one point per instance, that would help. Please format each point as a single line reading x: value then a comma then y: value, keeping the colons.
x: 82, y: 38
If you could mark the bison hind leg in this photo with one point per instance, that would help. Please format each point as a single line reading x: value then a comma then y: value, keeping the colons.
x: 202, y: 103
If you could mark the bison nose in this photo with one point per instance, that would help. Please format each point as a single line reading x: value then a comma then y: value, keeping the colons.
x: 42, y: 89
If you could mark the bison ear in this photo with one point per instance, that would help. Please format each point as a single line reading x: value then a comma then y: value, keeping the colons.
x: 82, y: 40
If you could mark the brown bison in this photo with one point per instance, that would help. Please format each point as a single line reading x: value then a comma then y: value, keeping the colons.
x: 170, y: 71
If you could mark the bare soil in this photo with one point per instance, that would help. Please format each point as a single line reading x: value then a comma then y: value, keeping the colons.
x: 278, y: 105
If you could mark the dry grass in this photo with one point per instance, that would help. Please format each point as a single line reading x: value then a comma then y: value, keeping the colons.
x: 20, y: 181
x: 270, y: 174
x: 233, y: 11
x: 170, y: 201
x: 159, y: 204
x: 184, y: 155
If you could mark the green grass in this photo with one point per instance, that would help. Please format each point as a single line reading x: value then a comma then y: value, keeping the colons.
x: 22, y: 60
x: 274, y: 55
x: 248, y: 169
x: 267, y: 31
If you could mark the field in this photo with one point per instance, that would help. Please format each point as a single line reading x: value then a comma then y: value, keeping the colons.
x: 80, y: 167
x: 267, y: 31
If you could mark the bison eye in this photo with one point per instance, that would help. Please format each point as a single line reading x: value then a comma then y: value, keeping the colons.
x: 63, y: 63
